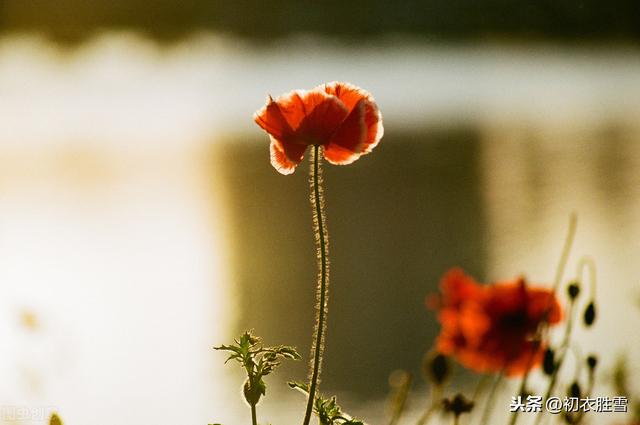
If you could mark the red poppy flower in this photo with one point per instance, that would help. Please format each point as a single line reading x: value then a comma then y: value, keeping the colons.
x: 491, y: 328
x: 341, y: 117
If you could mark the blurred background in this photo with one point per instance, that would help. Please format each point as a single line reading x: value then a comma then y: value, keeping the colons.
x: 141, y: 222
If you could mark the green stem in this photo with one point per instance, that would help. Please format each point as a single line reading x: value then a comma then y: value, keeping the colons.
x: 254, y: 417
x: 322, y: 246
x: 589, y: 392
x: 436, y: 396
x: 564, y: 257
x: 400, y: 402
x: 588, y: 263
x: 566, y: 249
x: 564, y: 346
x: 482, y: 383
x: 252, y: 385
x: 488, y: 404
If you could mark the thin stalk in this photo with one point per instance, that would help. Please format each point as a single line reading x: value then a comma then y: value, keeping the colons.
x: 251, y: 382
x: 564, y: 257
x: 488, y: 404
x: 254, y: 417
x: 564, y: 346
x: 588, y: 263
x: 322, y: 247
x: 436, y: 396
x: 571, y: 233
x: 400, y: 401
x: 589, y: 392
x: 482, y: 383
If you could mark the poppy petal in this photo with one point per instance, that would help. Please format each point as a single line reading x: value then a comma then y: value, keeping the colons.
x: 270, y: 118
x: 492, y: 328
x: 296, y: 105
x: 542, y: 302
x: 285, y: 156
x: 351, y: 95
x: 348, y: 93
x: 340, y: 117
x: 346, y: 143
x: 458, y: 287
x: 321, y: 123
x: 375, y: 130
x: 530, y: 357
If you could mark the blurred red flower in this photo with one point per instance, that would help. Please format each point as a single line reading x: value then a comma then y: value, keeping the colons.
x: 341, y: 117
x: 492, y: 328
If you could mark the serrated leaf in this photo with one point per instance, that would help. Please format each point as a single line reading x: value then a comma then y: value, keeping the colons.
x: 287, y: 352
x: 300, y: 386
x: 258, y: 362
x: 327, y: 410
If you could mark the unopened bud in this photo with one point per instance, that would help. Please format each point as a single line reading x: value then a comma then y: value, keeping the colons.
x: 436, y: 368
x: 549, y: 362
x: 574, y: 390
x: 573, y: 290
x: 592, y: 362
x: 590, y: 314
x: 253, y: 393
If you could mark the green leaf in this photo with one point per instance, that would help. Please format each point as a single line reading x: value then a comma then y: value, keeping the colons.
x: 327, y: 410
x: 300, y: 386
x: 286, y: 352
x: 257, y: 361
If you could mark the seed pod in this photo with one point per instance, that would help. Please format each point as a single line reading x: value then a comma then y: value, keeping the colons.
x: 590, y: 314
x: 574, y: 390
x: 436, y: 368
x: 549, y: 363
x: 573, y: 290
x: 592, y: 362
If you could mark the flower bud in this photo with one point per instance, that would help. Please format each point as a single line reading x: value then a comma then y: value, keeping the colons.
x: 574, y: 390
x: 590, y: 314
x: 253, y: 393
x: 592, y: 362
x: 436, y: 368
x: 549, y: 363
x: 573, y: 290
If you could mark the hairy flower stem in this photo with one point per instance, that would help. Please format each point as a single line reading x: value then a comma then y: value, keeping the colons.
x: 322, y: 246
